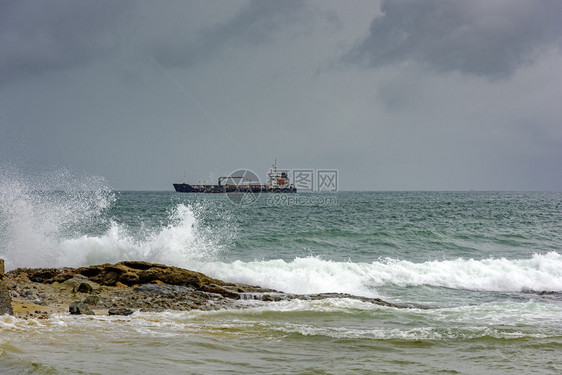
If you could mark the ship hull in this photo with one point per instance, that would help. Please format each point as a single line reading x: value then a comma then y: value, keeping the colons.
x: 209, y: 189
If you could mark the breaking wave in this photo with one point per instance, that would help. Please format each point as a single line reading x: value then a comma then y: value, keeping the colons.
x: 314, y: 275
x: 179, y: 243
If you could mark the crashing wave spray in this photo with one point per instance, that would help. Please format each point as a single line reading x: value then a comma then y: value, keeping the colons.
x: 182, y: 242
x: 36, y: 212
x: 59, y: 220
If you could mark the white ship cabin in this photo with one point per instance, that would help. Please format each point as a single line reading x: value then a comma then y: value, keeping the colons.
x: 278, y: 179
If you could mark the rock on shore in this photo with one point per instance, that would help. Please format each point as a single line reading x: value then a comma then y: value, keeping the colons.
x: 118, y: 287
x: 5, y: 302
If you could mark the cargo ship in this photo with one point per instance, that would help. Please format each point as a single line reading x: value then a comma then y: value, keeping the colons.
x: 243, y: 181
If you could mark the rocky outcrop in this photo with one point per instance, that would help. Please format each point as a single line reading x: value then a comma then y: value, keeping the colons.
x: 123, y: 286
x: 129, y: 286
x: 135, y: 273
x: 5, y: 300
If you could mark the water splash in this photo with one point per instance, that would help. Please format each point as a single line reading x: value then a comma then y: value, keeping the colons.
x: 36, y: 212
x: 180, y: 243
x: 58, y: 219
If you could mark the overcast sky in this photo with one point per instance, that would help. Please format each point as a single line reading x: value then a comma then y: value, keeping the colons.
x: 396, y: 95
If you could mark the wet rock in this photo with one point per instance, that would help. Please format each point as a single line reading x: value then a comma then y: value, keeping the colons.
x: 83, y: 288
x: 217, y: 289
x: 125, y: 312
x: 163, y: 289
x: 14, y: 294
x: 547, y: 292
x: 5, y: 300
x: 129, y: 278
x: 91, y: 300
x: 80, y: 308
x: 78, y: 284
x: 105, y: 274
x: 375, y: 301
x: 130, y: 273
x: 43, y: 275
x: 271, y: 298
x: 140, y: 265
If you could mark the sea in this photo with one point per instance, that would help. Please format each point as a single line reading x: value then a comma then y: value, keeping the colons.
x: 478, y: 276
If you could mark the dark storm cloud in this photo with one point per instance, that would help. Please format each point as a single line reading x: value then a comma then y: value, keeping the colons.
x: 79, y: 89
x: 253, y: 24
x: 42, y: 36
x: 481, y: 37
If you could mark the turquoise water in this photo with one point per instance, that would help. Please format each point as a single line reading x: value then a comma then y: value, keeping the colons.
x: 474, y: 266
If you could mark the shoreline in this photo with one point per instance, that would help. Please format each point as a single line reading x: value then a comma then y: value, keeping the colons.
x: 129, y: 286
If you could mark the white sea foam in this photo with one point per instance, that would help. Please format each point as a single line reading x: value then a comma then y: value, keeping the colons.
x: 540, y: 272
x: 302, y: 275
x: 506, y: 320
x: 315, y: 275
